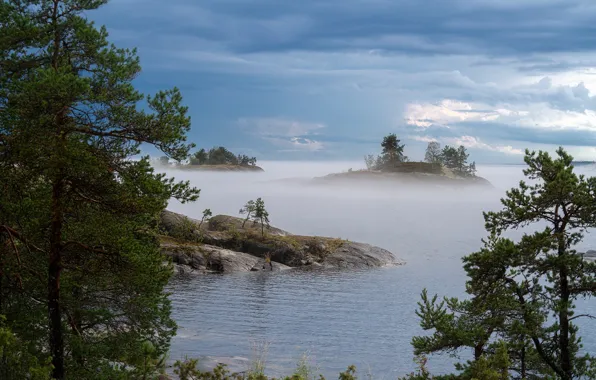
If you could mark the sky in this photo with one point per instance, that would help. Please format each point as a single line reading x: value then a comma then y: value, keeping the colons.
x: 327, y: 79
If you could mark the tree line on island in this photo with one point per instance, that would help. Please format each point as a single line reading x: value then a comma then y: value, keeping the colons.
x: 82, y: 279
x: 215, y: 156
x: 392, y: 157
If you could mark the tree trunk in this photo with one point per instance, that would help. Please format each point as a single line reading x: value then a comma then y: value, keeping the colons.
x: 523, y: 359
x: 54, y: 270
x: 566, y: 364
x: 566, y: 360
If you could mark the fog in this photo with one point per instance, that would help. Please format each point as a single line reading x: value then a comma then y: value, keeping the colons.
x: 375, y: 213
x: 373, y: 313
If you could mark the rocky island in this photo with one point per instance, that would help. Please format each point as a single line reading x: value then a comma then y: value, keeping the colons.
x: 226, y: 244
x: 217, y: 159
x: 446, y: 166
x: 408, y: 173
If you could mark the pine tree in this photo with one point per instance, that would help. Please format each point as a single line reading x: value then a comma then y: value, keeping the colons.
x: 77, y: 214
x: 206, y: 215
x: 393, y: 151
x: 249, y: 210
x: 517, y: 288
x: 261, y: 215
x: 433, y: 153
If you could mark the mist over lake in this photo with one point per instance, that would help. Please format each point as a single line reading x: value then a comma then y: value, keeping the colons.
x: 366, y: 318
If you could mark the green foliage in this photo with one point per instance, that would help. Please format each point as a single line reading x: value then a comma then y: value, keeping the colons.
x: 349, y: 374
x: 185, y: 230
x: 187, y: 370
x: 521, y: 311
x: 207, y: 214
x: 393, y: 152
x: 304, y: 370
x: 200, y: 157
x: 248, y: 209
x: 221, y: 156
x: 16, y: 362
x: 433, y: 153
x: 261, y: 215
x: 456, y: 159
x: 83, y: 278
x: 391, y: 155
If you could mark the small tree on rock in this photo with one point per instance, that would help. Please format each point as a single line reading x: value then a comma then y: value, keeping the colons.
x: 456, y: 159
x: 207, y: 214
x: 393, y: 151
x: 433, y: 153
x: 261, y: 215
x: 199, y: 158
x: 249, y: 210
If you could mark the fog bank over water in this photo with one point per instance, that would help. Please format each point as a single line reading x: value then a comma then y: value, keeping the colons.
x: 363, y: 318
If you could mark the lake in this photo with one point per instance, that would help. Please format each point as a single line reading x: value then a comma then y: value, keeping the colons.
x: 338, y: 318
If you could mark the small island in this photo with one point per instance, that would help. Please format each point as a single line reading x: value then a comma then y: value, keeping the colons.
x: 228, y: 244
x: 218, y: 159
x: 441, y: 166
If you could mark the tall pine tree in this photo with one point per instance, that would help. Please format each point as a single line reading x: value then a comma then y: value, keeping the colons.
x: 80, y: 269
x: 524, y: 293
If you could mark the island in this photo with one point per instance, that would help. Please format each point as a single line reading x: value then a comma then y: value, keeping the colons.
x: 218, y: 159
x: 441, y: 166
x: 227, y: 244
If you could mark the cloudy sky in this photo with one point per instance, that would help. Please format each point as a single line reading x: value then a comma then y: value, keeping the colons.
x: 327, y: 79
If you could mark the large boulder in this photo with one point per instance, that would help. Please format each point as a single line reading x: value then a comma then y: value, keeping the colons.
x: 207, y: 258
x: 359, y: 255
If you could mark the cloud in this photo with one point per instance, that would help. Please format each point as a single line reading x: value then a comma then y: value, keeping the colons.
x: 469, y: 142
x: 509, y: 73
x: 280, y: 126
x: 475, y: 143
x: 450, y: 111
x: 297, y: 144
x: 449, y: 27
x: 426, y: 139
x: 287, y: 135
x: 555, y: 110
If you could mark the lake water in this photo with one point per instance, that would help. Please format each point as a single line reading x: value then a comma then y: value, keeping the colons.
x: 366, y: 318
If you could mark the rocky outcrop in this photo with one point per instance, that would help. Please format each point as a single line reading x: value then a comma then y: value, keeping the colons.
x: 204, y: 258
x: 226, y: 244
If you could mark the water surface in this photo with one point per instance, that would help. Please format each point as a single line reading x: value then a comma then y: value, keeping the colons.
x: 366, y: 318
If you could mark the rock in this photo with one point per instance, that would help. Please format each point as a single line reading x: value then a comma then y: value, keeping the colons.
x: 188, y: 257
x: 360, y: 255
x: 224, y: 245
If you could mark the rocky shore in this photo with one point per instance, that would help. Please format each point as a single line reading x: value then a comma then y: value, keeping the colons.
x: 224, y: 245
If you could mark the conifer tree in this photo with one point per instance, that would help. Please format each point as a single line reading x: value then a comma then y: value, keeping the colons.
x: 524, y: 293
x: 81, y: 273
x: 261, y: 215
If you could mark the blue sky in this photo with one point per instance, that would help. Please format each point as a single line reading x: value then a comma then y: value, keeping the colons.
x: 327, y: 79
